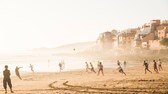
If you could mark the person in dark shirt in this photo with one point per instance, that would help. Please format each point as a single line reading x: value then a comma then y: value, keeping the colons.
x: 155, y: 66
x: 17, y: 72
x: 100, y: 68
x: 6, y: 79
x: 146, y: 67
x: 121, y: 70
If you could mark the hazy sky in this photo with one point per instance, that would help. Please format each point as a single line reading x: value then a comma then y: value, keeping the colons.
x: 26, y: 24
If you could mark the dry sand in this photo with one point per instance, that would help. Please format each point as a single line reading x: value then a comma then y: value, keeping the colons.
x: 81, y: 82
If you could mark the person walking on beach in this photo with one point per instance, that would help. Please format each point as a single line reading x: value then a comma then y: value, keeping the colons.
x: 146, y: 67
x: 160, y: 65
x: 7, y: 80
x: 92, y: 68
x: 87, y: 66
x: 31, y: 67
x: 17, y: 72
x: 155, y: 66
x: 100, y: 67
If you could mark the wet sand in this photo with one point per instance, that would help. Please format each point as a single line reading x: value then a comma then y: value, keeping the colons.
x: 81, y: 82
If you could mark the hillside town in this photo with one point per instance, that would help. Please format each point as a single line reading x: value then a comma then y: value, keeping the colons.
x: 147, y: 36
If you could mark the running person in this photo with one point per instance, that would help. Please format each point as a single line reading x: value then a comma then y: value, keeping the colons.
x: 160, y: 65
x: 87, y: 66
x: 121, y: 70
x: 17, y: 72
x: 146, y: 67
x: 92, y: 68
x: 100, y: 66
x: 6, y: 79
x: 31, y: 67
x: 155, y: 66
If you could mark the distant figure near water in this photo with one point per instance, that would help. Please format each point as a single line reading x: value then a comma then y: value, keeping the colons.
x: 155, y: 66
x: 31, y: 67
x: 160, y: 65
x: 61, y: 65
x: 100, y: 67
x: 146, y: 67
x: 6, y: 79
x: 87, y: 66
x: 92, y: 68
x: 17, y: 72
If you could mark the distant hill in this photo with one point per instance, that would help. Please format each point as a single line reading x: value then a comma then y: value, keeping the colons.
x: 69, y: 48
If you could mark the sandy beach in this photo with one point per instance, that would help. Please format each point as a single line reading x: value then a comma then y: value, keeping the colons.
x: 82, y: 82
x: 50, y: 43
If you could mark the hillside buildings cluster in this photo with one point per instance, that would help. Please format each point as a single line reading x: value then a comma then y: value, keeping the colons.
x: 147, y: 36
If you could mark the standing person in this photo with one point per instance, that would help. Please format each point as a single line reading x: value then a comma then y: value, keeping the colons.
x: 6, y: 79
x: 160, y: 65
x: 155, y: 66
x: 17, y: 72
x: 100, y: 68
x: 60, y: 66
x: 121, y: 70
x: 87, y: 66
x: 146, y: 67
x: 92, y: 68
x: 31, y: 67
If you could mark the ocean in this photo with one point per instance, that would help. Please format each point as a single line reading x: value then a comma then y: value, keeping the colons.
x: 49, y: 63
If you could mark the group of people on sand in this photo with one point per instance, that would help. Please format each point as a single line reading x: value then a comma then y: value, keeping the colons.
x: 100, y: 67
x: 7, y: 80
x: 91, y: 68
x: 155, y: 66
x: 18, y: 73
x: 6, y: 73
